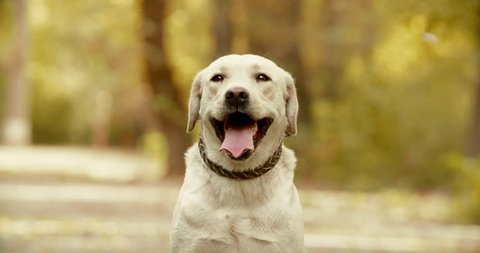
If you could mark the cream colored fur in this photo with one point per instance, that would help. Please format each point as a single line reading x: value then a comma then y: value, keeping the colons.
x: 218, y: 214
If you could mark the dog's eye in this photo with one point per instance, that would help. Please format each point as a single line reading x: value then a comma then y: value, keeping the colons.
x: 262, y: 78
x: 217, y: 78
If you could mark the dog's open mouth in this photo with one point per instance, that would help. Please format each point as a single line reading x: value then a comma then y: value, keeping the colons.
x: 240, y: 134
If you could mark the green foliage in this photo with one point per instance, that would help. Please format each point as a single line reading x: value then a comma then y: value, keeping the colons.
x: 467, y: 187
x: 189, y: 41
x: 79, y: 50
x: 5, y: 45
x: 154, y: 147
x: 385, y: 86
x: 51, y: 125
x: 398, y: 108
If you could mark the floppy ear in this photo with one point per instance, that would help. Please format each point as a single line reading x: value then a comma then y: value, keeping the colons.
x: 194, y: 102
x: 291, y: 106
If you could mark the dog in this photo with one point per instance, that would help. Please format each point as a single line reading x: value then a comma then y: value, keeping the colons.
x: 238, y: 193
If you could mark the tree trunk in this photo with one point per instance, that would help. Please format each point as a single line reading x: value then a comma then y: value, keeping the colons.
x: 473, y: 142
x: 239, y: 27
x: 17, y: 127
x: 222, y: 27
x: 102, y: 116
x: 168, y: 105
x: 473, y: 149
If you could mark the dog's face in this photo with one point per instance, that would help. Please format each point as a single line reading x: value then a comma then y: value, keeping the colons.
x: 245, y: 103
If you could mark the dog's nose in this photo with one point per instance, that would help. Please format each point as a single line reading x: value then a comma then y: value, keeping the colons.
x: 236, y: 96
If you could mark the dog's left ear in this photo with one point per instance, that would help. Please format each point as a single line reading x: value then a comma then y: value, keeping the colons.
x: 291, y: 106
x: 194, y: 102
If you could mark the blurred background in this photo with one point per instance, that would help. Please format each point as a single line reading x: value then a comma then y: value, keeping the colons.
x: 93, y: 103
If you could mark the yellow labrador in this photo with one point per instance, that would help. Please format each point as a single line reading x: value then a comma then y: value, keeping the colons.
x: 238, y: 193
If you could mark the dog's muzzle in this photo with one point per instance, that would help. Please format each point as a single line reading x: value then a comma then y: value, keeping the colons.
x: 238, y: 131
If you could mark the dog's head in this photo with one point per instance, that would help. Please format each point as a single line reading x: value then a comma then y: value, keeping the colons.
x: 245, y: 103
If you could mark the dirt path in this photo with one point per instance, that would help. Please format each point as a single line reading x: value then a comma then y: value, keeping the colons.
x: 64, y: 217
x: 70, y: 215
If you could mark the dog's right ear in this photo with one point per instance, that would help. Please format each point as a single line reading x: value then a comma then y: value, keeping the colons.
x: 194, y: 102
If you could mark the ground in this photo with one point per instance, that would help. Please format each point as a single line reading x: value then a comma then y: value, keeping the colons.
x: 81, y: 200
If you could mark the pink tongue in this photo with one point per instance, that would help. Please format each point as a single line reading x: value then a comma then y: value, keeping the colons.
x: 238, y: 140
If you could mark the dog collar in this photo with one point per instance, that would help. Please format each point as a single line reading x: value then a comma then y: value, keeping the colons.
x: 240, y: 175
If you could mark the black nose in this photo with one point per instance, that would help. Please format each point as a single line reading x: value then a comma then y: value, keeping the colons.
x: 236, y: 97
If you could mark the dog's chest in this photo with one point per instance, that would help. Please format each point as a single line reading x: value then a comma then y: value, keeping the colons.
x: 270, y: 227
x: 242, y: 229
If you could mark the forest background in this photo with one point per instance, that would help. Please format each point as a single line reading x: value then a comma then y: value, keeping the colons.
x: 389, y: 90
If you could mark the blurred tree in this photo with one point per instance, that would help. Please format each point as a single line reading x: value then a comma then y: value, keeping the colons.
x: 372, y: 77
x: 239, y: 24
x: 17, y: 129
x: 5, y: 32
x: 168, y: 103
x: 473, y: 149
x: 222, y: 27
x: 102, y: 119
x: 282, y: 44
x: 82, y: 87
